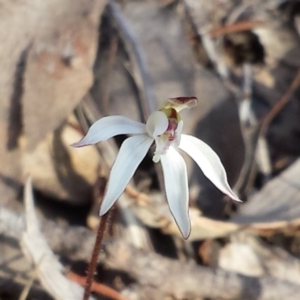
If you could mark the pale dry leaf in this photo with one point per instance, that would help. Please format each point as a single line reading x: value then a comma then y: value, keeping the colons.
x: 46, y: 69
x: 205, y: 228
x: 58, y: 71
x: 248, y: 255
x: 49, y: 269
x: 156, y: 214
x: 276, y: 206
x: 61, y: 171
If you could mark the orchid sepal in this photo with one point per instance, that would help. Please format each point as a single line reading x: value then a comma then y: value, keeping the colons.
x: 209, y: 162
x: 109, y: 127
x: 132, y: 152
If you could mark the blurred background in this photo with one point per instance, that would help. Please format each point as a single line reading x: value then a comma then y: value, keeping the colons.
x: 64, y: 64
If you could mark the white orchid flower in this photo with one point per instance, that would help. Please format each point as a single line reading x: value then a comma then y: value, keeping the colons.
x: 163, y: 128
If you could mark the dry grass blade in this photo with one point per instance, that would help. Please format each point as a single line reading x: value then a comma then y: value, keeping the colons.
x: 236, y: 27
x: 49, y: 269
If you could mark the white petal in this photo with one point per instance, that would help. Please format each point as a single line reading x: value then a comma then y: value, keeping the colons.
x: 208, y: 161
x: 157, y: 124
x: 176, y: 184
x: 131, y: 153
x: 108, y: 127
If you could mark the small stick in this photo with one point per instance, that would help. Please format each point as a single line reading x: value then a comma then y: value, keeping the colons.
x: 267, y: 119
x: 97, y: 287
x: 236, y: 27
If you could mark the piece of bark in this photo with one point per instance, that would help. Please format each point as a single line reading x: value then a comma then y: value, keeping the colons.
x: 187, y: 280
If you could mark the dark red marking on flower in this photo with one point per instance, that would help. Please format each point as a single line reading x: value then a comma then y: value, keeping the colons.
x: 172, y: 127
x: 183, y: 100
x: 173, y: 114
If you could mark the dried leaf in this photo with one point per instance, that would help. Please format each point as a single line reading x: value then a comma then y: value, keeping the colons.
x: 46, y: 69
x: 49, y: 269
x: 59, y: 64
x: 276, y: 206
x: 247, y: 255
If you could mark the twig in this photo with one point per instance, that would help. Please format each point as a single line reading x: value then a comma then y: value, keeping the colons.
x: 249, y: 129
x: 28, y: 286
x: 246, y: 113
x: 266, y: 120
x: 97, y: 287
x: 136, y: 195
x: 256, y: 137
x: 14, y: 289
x: 212, y: 48
x: 236, y: 27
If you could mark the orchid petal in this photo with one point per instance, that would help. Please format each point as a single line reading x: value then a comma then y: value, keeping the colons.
x: 208, y: 161
x: 131, y: 153
x: 176, y: 184
x: 157, y: 124
x: 108, y: 127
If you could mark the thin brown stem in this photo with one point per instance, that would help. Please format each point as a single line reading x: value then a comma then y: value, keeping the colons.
x: 275, y: 110
x: 95, y: 255
x: 236, y: 27
x: 97, y: 287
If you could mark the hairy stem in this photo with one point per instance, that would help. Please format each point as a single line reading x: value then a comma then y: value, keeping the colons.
x: 95, y: 255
